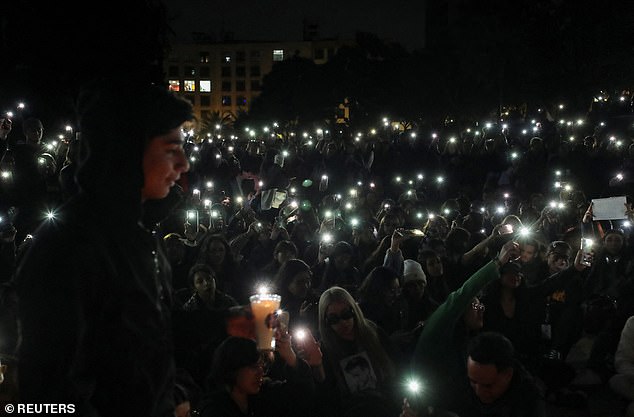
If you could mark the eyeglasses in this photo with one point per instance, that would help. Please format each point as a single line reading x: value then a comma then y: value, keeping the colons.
x: 333, y: 319
x: 477, y: 306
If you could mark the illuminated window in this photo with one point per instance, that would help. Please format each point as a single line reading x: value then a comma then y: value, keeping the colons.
x: 175, y: 85
x: 205, y: 86
x: 204, y: 58
x: 226, y: 58
x: 278, y: 55
x: 226, y: 100
x: 189, y: 85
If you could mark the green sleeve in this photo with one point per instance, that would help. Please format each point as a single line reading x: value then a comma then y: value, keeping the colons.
x: 438, y: 330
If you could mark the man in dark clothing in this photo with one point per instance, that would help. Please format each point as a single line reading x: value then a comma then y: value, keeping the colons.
x: 499, y: 384
x: 94, y: 285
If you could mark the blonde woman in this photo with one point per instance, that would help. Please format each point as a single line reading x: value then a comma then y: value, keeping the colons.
x: 358, y: 377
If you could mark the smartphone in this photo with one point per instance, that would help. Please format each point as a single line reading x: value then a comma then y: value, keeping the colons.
x: 586, y: 251
x: 191, y: 217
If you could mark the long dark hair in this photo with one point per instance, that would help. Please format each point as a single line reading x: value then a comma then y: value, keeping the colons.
x: 285, y: 275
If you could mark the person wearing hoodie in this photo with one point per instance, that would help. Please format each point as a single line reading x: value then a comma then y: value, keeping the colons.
x: 94, y: 287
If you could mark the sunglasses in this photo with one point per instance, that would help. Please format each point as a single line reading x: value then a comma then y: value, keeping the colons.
x: 333, y: 319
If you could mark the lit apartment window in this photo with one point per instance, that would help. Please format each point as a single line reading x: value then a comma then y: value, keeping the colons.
x: 205, y: 86
x: 226, y: 58
x: 190, y: 85
x: 241, y: 101
x: 175, y: 85
x: 226, y: 100
x: 278, y: 55
x: 204, y: 58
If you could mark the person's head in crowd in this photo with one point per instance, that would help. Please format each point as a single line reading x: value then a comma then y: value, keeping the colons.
x: 529, y: 249
x: 431, y: 263
x: 47, y: 166
x: 111, y: 137
x: 380, y: 287
x: 33, y: 130
x: 363, y: 233
x: 450, y: 209
x: 331, y: 150
x: 215, y: 251
x: 203, y: 280
x: 301, y: 233
x: 414, y: 280
x: 536, y: 145
x: 457, y: 241
x: 438, y: 246
x: 284, y: 250
x: 527, y: 213
x: 490, y: 366
x: 342, y: 256
x: 174, y: 247
x: 389, y: 223
x: 293, y: 280
x: 613, y: 242
x: 237, y: 367
x: 436, y: 226
x: 537, y: 201
x: 341, y: 321
x: 511, y: 275
x: 558, y: 256
x: 473, y: 222
x: 263, y: 230
x: 589, y: 142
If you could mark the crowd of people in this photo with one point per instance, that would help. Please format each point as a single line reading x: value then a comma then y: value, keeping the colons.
x: 443, y: 276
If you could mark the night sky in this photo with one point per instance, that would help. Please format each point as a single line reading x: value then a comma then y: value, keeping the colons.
x: 398, y: 20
